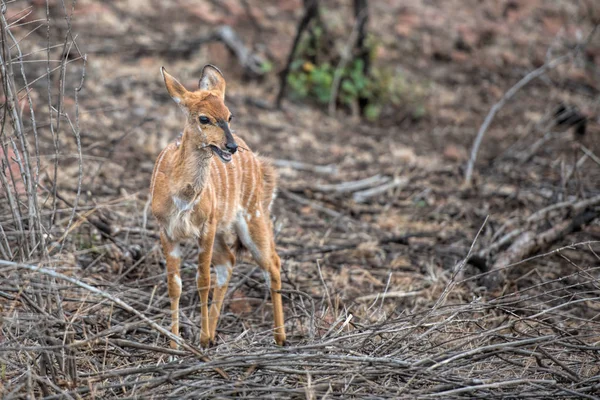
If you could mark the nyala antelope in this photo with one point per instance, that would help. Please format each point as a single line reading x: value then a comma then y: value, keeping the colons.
x: 203, y: 188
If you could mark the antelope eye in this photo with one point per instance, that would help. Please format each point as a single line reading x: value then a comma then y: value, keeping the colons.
x: 204, y: 120
x: 230, y: 117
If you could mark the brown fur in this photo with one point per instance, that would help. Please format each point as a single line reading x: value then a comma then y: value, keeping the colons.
x: 195, y: 194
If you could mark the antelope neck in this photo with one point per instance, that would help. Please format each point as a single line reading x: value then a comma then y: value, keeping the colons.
x: 194, y: 162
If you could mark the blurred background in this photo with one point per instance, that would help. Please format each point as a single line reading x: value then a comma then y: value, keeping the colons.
x: 432, y: 158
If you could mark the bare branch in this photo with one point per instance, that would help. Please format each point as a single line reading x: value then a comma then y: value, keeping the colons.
x: 115, y: 300
x: 498, y: 106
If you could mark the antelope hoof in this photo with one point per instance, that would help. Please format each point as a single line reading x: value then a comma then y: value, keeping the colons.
x: 204, y: 341
x: 280, y: 340
x: 207, y: 342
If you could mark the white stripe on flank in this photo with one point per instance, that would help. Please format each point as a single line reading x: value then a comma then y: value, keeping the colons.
x: 242, y: 158
x: 211, y: 190
x: 234, y: 176
x: 243, y: 233
x: 226, y: 194
x: 217, y: 182
x: 239, y: 178
x: 252, y: 183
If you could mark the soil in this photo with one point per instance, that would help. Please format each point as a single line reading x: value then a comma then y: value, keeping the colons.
x: 348, y: 266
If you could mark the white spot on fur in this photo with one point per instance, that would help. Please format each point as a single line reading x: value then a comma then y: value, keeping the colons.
x: 273, y: 196
x: 176, y: 99
x: 183, y: 205
x: 180, y: 224
x: 177, y: 281
x: 203, y: 137
x: 222, y: 272
x: 257, y: 213
x: 176, y: 252
x: 267, y: 278
x: 243, y: 233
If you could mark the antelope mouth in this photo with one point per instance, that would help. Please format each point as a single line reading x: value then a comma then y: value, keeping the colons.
x: 224, y: 155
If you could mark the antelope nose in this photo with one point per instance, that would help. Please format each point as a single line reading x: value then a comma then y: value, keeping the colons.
x: 232, y: 147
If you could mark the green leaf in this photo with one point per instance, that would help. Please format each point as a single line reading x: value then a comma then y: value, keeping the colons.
x: 421, y: 204
x: 372, y: 112
x: 419, y: 111
x: 298, y: 83
x: 348, y: 87
x: 266, y: 67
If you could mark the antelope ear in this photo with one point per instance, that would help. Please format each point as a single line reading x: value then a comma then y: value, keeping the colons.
x: 212, y: 79
x: 175, y: 89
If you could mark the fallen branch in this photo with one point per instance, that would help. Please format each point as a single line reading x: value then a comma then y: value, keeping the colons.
x: 399, y: 239
x: 493, y: 385
x: 400, y: 294
x: 509, y: 94
x: 540, y: 215
x: 352, y: 186
x: 496, y: 107
x: 590, y: 154
x: 362, y: 196
x: 531, y: 242
x: 310, y: 203
x: 120, y: 303
x: 525, y: 156
x: 252, y: 63
x: 330, y: 169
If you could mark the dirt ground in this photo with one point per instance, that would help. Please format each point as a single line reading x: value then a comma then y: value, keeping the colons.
x: 386, y: 297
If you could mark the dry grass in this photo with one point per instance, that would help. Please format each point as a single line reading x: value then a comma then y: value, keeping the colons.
x: 384, y: 286
x: 62, y: 340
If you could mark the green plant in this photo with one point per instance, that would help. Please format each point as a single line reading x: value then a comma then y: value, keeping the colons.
x: 313, y: 72
x: 266, y: 67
